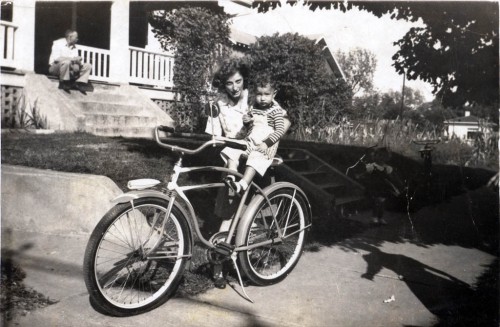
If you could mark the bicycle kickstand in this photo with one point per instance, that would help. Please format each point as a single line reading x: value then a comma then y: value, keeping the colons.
x: 233, y: 258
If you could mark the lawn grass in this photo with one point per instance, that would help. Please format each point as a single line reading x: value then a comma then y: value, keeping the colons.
x: 117, y: 158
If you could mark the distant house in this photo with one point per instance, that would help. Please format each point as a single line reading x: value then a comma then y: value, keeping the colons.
x: 468, y: 127
x: 240, y: 41
x: 332, y: 63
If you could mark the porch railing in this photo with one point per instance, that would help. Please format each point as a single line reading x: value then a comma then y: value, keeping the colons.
x: 7, y: 39
x: 99, y: 59
x: 151, y: 68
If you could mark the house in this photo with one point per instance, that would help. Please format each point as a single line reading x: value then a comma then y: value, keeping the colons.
x: 468, y: 127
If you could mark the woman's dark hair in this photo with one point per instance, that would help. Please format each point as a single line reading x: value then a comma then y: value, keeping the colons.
x: 228, y: 68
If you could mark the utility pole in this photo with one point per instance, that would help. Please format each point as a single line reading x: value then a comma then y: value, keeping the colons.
x: 402, y: 96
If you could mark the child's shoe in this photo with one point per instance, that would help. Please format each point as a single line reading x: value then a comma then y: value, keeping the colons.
x: 238, y: 187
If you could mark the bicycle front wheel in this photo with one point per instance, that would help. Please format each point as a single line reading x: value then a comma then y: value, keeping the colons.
x: 136, y: 256
x: 272, y: 261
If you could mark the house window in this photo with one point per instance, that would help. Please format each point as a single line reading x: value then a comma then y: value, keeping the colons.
x: 472, y: 135
x: 6, y: 12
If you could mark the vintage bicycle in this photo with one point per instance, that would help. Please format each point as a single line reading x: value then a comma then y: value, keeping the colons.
x: 137, y: 253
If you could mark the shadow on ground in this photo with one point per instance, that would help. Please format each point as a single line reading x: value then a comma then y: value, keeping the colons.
x: 469, y: 220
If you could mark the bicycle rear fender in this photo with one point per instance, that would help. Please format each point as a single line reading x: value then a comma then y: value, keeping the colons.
x: 252, y: 206
x: 133, y: 195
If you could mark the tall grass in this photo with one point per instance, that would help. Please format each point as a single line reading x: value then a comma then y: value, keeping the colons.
x: 398, y: 135
x: 27, y: 115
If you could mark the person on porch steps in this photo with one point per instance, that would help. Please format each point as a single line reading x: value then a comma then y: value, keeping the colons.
x: 65, y: 63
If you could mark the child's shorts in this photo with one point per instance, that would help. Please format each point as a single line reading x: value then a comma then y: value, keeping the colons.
x: 257, y: 160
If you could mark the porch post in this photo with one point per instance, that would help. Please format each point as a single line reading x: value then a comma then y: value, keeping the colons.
x: 23, y: 15
x: 119, y: 41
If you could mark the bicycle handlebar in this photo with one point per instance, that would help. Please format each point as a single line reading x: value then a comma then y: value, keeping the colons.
x: 216, y: 140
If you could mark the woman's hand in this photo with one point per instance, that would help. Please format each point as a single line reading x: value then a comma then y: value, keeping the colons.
x: 247, y: 119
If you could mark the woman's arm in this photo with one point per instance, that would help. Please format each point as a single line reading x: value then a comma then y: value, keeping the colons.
x: 287, y: 123
x: 214, y: 126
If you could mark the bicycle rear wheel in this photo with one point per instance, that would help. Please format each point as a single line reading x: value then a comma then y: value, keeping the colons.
x: 123, y: 274
x: 270, y: 263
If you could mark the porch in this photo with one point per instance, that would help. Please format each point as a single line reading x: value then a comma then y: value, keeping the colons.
x: 115, y: 38
x: 145, y: 67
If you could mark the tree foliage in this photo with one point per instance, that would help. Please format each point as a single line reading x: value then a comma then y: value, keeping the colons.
x: 456, y: 51
x: 388, y: 105
x: 198, y: 36
x: 358, y: 66
x: 306, y: 89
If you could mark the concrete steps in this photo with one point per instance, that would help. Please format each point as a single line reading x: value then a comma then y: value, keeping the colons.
x: 106, y: 109
x: 329, y: 188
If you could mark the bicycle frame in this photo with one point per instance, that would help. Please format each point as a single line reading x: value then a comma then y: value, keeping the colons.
x: 174, y: 190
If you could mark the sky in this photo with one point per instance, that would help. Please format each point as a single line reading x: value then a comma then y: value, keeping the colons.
x: 342, y: 31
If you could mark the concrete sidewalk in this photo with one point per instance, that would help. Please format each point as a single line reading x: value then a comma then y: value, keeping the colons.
x: 344, y: 283
x: 341, y: 285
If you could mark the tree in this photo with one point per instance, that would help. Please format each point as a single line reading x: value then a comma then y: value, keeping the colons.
x: 198, y: 36
x: 456, y: 51
x: 388, y: 105
x: 358, y: 66
x: 306, y: 90
x: 434, y: 113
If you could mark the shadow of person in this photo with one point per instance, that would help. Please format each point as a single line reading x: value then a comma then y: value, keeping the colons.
x: 440, y: 292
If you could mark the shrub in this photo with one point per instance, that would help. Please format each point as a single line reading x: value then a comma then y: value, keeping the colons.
x: 198, y: 37
x: 306, y: 89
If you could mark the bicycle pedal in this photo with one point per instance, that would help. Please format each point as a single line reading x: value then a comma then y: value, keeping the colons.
x: 224, y: 248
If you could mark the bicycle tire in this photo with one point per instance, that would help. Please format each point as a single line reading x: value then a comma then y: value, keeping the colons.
x: 270, y: 264
x: 122, y: 278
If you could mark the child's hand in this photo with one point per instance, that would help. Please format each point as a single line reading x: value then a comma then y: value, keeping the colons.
x: 247, y: 119
x: 262, y: 147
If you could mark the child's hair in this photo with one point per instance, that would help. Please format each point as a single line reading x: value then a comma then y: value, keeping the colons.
x: 226, y: 69
x: 263, y: 80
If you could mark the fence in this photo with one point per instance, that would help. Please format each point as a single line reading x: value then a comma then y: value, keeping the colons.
x: 99, y: 59
x: 151, y: 68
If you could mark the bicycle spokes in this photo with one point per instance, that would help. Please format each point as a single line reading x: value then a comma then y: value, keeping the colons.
x: 137, y: 255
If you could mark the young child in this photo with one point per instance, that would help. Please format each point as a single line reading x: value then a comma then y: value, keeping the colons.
x: 382, y: 183
x: 266, y: 125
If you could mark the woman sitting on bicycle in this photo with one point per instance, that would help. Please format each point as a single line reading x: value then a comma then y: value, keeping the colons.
x: 226, y: 119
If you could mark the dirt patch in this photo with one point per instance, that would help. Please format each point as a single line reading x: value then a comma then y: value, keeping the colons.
x: 15, y: 298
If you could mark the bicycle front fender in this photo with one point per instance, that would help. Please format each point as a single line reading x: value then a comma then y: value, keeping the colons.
x: 134, y: 195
